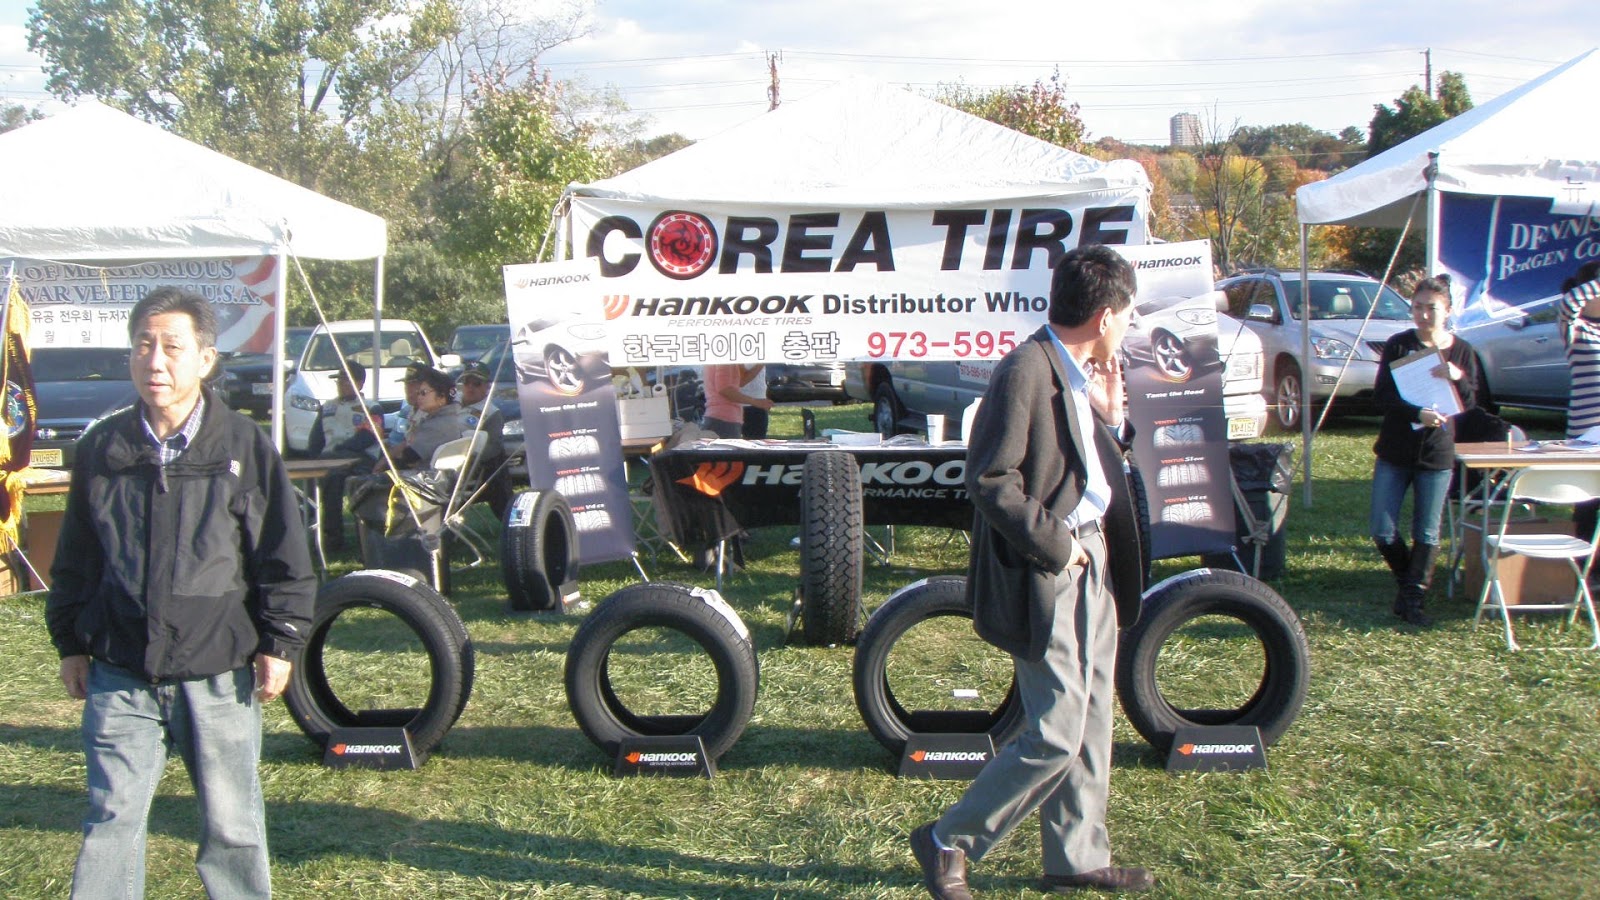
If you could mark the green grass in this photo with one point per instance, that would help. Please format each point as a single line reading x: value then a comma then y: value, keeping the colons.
x: 1431, y: 764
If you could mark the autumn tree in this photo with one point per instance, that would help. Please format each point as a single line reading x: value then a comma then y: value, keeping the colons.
x: 1040, y: 109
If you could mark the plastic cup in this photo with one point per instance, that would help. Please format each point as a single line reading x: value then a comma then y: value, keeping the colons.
x: 935, y: 429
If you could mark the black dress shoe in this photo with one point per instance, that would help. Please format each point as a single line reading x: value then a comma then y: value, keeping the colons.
x: 1110, y: 878
x: 944, y: 871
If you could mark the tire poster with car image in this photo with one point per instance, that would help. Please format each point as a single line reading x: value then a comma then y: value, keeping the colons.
x: 1175, y: 400
x: 569, y: 405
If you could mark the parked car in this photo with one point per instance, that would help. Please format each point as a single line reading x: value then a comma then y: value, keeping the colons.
x: 471, y: 342
x: 252, y: 373
x: 1269, y: 302
x: 1521, y: 360
x: 400, y: 344
x: 74, y: 387
x: 807, y: 381
x: 1176, y: 338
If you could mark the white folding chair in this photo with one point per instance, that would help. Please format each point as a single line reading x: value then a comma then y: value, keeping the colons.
x: 1553, y: 484
x: 462, y: 456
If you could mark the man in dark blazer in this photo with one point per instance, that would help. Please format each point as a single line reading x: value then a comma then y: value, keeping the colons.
x: 1045, y: 473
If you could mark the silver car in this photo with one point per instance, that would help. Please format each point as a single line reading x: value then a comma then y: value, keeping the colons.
x: 1346, y: 342
x: 1521, y: 360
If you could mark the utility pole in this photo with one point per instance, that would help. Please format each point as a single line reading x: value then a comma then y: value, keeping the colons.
x: 772, y: 82
x: 1427, y: 56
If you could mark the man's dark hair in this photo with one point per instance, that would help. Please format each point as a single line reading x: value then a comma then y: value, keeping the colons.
x: 1586, y: 273
x: 1086, y: 280
x: 164, y: 300
x: 358, y: 372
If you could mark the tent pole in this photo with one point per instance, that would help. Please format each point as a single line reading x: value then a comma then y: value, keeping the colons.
x: 280, y: 324
x: 1431, y: 252
x: 377, y: 330
x: 1305, y: 354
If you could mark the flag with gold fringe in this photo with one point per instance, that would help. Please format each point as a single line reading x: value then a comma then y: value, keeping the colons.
x: 18, y: 409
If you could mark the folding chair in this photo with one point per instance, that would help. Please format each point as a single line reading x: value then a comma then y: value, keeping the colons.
x: 461, y: 456
x: 1552, y: 484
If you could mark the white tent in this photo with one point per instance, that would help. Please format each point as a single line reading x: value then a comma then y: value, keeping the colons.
x: 865, y: 144
x: 1535, y: 141
x: 94, y: 183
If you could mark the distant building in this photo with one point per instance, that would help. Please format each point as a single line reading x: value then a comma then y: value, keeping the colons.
x: 1185, y: 130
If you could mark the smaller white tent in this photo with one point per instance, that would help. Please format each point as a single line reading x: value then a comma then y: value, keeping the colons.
x: 866, y: 144
x: 1532, y: 141
x: 93, y: 182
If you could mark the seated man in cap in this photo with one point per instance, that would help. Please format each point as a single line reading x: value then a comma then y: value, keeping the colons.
x: 473, y: 386
x: 345, y: 427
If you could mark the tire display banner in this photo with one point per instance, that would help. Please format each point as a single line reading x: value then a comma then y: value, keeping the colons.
x: 569, y: 406
x: 81, y: 305
x: 1508, y: 256
x: 1173, y: 373
x: 726, y: 283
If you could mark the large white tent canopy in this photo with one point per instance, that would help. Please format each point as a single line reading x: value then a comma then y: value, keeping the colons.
x: 866, y: 144
x: 1536, y: 140
x: 93, y: 182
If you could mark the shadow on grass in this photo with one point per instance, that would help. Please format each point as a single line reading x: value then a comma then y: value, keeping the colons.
x: 308, y: 833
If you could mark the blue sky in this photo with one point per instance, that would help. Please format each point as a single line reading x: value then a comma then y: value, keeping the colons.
x: 701, y: 66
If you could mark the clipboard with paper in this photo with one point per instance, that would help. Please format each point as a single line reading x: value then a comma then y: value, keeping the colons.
x: 1417, y: 379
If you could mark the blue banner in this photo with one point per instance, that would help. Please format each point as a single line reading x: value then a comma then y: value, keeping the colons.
x: 1509, y: 253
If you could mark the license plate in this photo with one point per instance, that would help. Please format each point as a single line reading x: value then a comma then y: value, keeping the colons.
x: 260, y: 388
x: 1241, y: 428
x: 45, y: 459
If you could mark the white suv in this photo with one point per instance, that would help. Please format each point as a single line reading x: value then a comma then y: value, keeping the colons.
x: 400, y: 344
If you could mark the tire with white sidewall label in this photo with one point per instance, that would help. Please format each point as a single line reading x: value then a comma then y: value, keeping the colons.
x: 699, y: 614
x: 539, y: 551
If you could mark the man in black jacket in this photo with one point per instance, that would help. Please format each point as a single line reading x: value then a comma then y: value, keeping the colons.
x: 181, y: 595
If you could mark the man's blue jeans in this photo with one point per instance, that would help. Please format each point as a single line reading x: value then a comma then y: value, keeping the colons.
x: 1389, y: 484
x: 128, y: 727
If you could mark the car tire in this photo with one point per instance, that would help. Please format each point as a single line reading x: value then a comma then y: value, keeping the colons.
x: 1171, y: 357
x: 1179, y: 600
x: 561, y: 369
x: 831, y: 548
x: 310, y: 697
x: 700, y: 614
x: 886, y: 409
x: 539, y: 551
x: 886, y: 718
x: 1286, y: 399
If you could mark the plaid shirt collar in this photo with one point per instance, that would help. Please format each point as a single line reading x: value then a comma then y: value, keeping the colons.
x: 171, y: 448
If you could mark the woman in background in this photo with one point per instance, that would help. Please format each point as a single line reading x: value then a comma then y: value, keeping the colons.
x: 1416, y: 449
x: 1579, y: 311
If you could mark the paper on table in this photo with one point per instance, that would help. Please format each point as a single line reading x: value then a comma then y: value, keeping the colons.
x: 1416, y: 377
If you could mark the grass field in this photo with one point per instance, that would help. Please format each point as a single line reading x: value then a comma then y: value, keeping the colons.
x: 1431, y: 764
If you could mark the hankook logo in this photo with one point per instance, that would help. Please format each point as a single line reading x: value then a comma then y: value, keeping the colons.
x: 661, y: 759
x: 1215, y: 749
x: 933, y: 756
x: 365, y: 749
x: 682, y: 244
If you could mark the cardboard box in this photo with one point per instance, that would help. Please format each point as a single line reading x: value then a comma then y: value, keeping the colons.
x: 1522, y: 580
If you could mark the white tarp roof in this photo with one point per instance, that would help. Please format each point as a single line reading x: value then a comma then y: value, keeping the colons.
x: 95, y: 183
x: 865, y: 144
x: 1525, y: 143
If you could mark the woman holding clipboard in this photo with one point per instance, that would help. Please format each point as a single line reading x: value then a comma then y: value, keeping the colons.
x: 1416, y: 448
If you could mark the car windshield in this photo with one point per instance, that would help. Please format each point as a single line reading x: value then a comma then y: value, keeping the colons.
x: 400, y: 348
x: 295, y: 342
x: 499, y: 361
x: 80, y: 364
x: 1348, y: 299
x: 477, y: 339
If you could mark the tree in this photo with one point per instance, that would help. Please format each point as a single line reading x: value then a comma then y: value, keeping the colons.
x: 15, y: 115
x: 1040, y: 109
x: 1310, y: 147
x: 1415, y: 112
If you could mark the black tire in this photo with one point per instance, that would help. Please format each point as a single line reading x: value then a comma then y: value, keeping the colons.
x: 886, y: 718
x: 1141, y: 509
x: 539, y: 551
x: 700, y: 614
x: 1283, y: 407
x: 886, y: 409
x: 831, y: 548
x: 310, y: 698
x: 1206, y: 592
